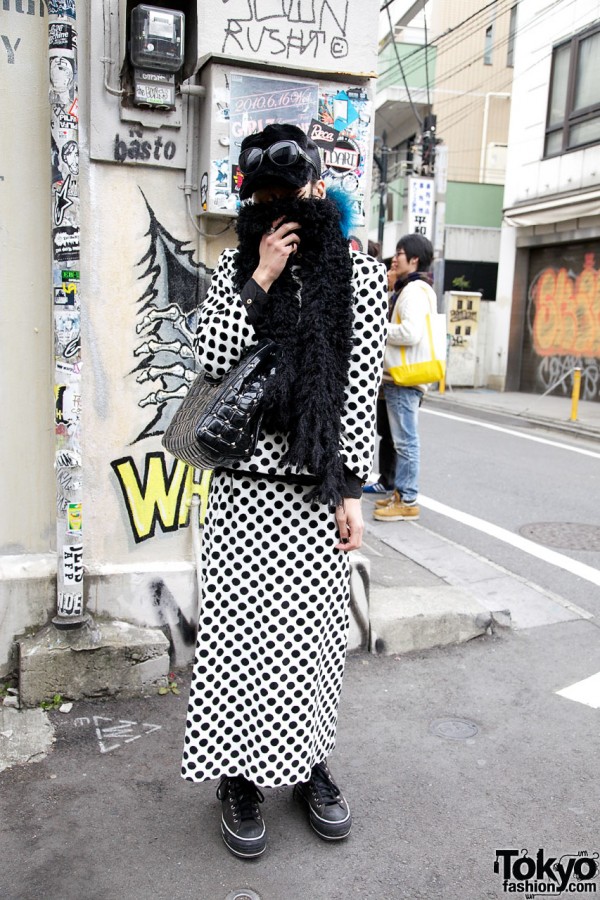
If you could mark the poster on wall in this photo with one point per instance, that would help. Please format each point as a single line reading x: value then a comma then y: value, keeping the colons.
x: 256, y: 101
x: 342, y: 131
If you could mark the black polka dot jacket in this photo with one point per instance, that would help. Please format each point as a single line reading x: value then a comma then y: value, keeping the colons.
x: 226, y: 329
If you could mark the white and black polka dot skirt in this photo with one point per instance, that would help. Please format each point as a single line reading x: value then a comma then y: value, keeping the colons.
x: 272, y: 634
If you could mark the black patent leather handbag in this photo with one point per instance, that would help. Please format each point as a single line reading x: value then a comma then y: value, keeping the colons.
x: 219, y: 420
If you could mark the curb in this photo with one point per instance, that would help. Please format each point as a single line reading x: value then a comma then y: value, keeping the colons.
x: 422, y: 618
x: 577, y: 430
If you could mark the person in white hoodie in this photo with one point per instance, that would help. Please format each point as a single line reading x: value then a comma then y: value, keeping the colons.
x: 415, y: 299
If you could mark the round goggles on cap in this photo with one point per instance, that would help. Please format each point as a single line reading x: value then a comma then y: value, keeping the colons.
x: 282, y: 153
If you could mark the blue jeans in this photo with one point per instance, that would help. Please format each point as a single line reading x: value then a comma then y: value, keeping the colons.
x: 403, y: 414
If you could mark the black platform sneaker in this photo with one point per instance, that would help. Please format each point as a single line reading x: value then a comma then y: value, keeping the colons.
x: 329, y: 813
x: 242, y: 825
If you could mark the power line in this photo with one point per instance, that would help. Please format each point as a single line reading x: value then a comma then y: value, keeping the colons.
x: 412, y: 105
x: 445, y: 34
x: 508, y: 4
x: 460, y: 114
x: 465, y: 110
x: 410, y: 69
x: 426, y: 63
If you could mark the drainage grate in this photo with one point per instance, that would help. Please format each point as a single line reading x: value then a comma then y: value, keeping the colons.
x: 566, y: 535
x: 242, y: 894
x: 454, y: 729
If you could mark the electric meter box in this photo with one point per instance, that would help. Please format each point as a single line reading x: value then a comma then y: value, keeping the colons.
x: 157, y: 38
x: 337, y: 115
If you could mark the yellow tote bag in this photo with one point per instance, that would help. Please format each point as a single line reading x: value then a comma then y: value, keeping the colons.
x: 425, y: 362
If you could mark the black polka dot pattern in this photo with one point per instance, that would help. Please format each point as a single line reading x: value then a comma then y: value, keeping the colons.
x: 274, y: 611
x: 224, y: 333
x: 272, y: 635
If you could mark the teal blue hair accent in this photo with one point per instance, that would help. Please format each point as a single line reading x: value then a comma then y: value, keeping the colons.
x: 343, y: 201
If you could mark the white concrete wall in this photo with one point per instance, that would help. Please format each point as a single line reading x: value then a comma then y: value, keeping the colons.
x: 27, y: 522
x: 463, y: 242
x: 495, y: 352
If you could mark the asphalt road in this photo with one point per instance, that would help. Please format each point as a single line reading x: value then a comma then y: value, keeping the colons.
x: 545, y: 490
x: 105, y: 815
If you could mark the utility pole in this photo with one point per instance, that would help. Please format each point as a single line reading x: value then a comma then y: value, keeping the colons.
x: 434, y: 164
x: 428, y: 145
x: 381, y: 162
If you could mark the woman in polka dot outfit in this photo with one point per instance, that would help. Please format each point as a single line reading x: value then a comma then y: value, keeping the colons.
x: 274, y: 609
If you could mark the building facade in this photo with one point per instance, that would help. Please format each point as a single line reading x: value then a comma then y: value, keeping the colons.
x: 548, y: 307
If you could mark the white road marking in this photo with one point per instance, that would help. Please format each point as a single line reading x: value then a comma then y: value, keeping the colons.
x: 544, y: 592
x: 526, y: 437
x: 586, y: 691
x: 515, y: 540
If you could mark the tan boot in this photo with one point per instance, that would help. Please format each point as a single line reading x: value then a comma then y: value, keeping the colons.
x: 385, y: 501
x: 396, y: 511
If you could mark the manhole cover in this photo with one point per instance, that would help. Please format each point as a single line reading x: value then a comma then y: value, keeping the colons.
x: 566, y: 535
x: 243, y: 894
x: 454, y: 729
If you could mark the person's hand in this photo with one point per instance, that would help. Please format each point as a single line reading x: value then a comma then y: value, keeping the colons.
x: 350, y: 524
x: 276, y: 247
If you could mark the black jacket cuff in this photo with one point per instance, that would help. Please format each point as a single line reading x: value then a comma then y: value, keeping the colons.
x: 255, y: 300
x: 354, y: 485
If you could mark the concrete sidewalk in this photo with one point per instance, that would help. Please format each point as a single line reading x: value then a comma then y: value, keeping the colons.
x: 550, y: 412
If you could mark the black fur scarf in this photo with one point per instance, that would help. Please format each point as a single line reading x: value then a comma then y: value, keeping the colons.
x: 310, y: 317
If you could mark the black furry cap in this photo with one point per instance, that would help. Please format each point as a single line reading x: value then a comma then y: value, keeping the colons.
x: 296, y: 176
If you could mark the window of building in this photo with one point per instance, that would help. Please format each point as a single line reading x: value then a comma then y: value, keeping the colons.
x: 487, y: 47
x: 512, y: 30
x: 573, y: 118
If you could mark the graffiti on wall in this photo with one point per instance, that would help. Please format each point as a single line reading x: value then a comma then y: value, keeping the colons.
x: 166, y: 325
x: 157, y: 489
x: 275, y: 29
x: 137, y: 146
x: 563, y: 322
x: 161, y: 496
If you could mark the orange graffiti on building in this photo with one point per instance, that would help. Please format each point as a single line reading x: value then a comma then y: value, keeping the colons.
x: 567, y: 312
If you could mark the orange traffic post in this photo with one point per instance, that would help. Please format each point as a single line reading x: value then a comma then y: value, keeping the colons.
x: 442, y: 384
x: 575, y: 394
